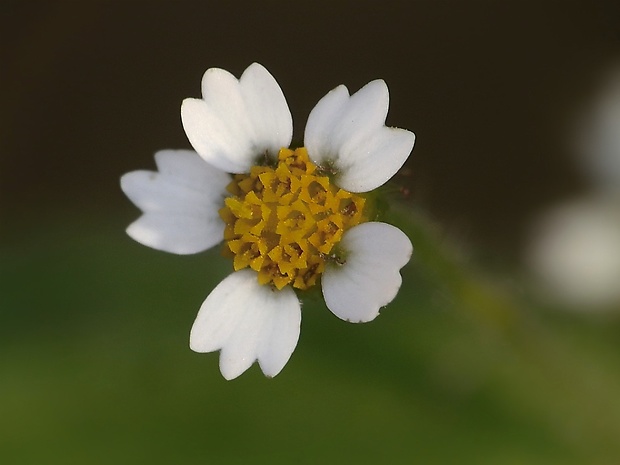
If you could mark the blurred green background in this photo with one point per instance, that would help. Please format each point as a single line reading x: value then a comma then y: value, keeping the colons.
x: 465, y: 366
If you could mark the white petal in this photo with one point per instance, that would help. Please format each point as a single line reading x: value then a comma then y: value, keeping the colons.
x: 180, y: 203
x: 350, y: 133
x: 321, y: 121
x: 370, y: 278
x: 575, y: 251
x: 221, y: 93
x: 365, y: 111
x: 370, y: 162
x: 190, y: 169
x: 248, y: 322
x: 597, y: 137
x: 237, y: 121
x: 179, y: 234
x: 220, y: 145
x: 267, y: 109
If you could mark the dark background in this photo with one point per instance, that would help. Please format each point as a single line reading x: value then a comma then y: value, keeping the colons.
x: 91, y: 89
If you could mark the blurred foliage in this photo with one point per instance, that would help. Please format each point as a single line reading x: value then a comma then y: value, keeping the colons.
x: 96, y: 369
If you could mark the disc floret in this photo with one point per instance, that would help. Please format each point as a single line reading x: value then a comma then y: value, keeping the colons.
x: 284, y: 221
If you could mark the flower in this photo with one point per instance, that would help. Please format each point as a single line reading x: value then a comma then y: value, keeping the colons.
x: 597, y: 135
x: 575, y: 252
x: 288, y: 218
x: 574, y: 249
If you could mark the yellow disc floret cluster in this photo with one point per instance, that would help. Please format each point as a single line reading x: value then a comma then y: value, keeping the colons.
x: 283, y: 222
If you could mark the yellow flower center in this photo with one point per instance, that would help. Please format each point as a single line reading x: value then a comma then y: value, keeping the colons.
x: 284, y: 222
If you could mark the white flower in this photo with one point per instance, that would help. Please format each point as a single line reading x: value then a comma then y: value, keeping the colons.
x: 288, y: 218
x: 575, y: 249
x: 598, y: 135
x: 576, y: 254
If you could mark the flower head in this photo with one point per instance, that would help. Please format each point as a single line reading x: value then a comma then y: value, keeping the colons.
x: 597, y: 136
x: 575, y: 253
x: 290, y: 219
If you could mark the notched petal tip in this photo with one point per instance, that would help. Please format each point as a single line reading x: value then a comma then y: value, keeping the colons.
x: 350, y: 132
x: 179, y: 203
x: 249, y: 323
x: 237, y: 119
x: 374, y: 96
x: 256, y: 67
